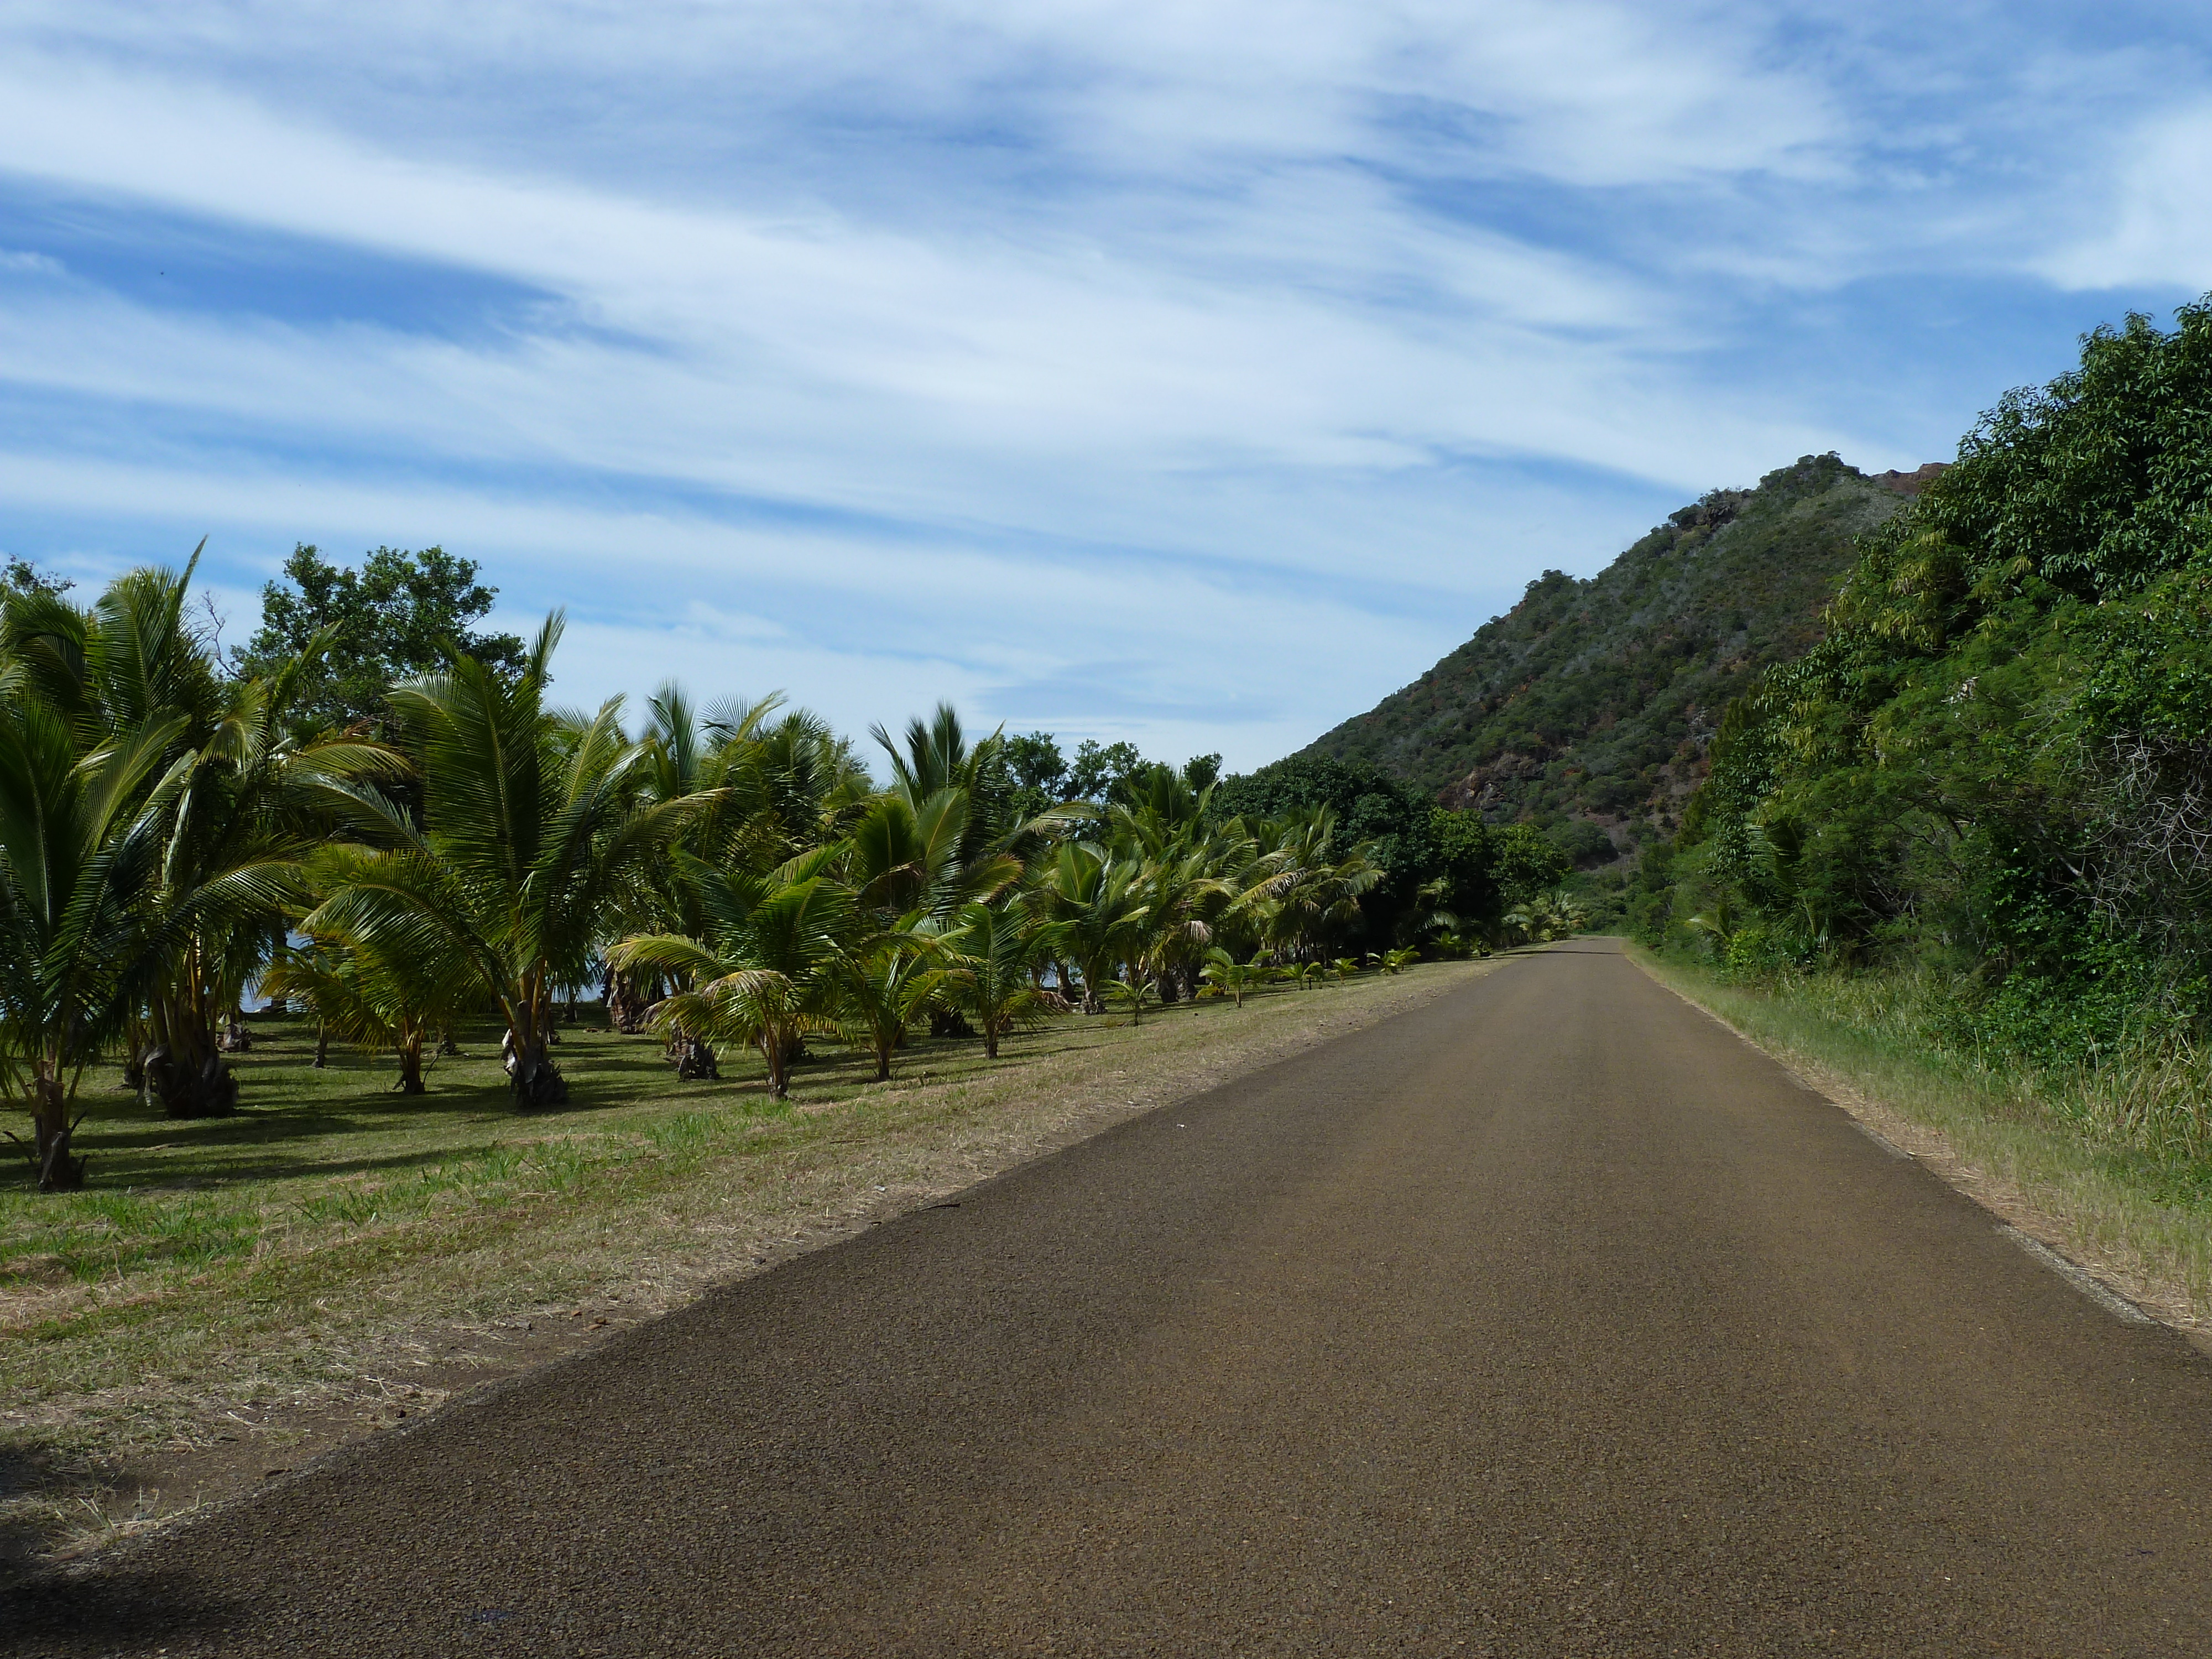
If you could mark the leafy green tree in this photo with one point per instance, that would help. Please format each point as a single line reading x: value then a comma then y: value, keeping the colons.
x: 1101, y: 907
x: 767, y: 971
x: 1100, y: 769
x: 20, y: 575
x: 1997, y: 762
x: 248, y: 798
x: 397, y: 617
x: 881, y: 987
x: 1368, y: 812
x: 1040, y: 773
x: 1233, y: 977
x: 252, y: 803
x: 377, y: 1002
x: 1135, y: 994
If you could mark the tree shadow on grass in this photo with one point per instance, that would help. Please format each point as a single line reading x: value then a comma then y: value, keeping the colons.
x: 64, y: 1611
x: 36, y: 1472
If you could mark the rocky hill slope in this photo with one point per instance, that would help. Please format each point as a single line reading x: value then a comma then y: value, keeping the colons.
x: 1587, y: 709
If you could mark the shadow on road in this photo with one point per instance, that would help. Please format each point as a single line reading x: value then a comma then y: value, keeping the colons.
x: 62, y: 1613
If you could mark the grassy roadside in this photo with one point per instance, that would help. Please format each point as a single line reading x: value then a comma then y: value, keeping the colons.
x: 2044, y: 1151
x: 300, y: 1269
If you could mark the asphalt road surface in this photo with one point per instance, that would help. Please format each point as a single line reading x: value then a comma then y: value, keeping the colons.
x: 1547, y: 1319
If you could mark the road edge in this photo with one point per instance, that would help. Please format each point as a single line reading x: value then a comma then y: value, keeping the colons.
x: 2032, y: 1219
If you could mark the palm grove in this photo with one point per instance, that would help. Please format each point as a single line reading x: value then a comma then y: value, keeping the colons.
x: 377, y: 813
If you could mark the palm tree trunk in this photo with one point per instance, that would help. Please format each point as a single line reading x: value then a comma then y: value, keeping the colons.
x: 627, y: 1003
x: 695, y: 1059
x: 410, y: 1064
x: 135, y: 1044
x: 532, y: 1075
x: 59, y: 1171
x: 184, y: 1070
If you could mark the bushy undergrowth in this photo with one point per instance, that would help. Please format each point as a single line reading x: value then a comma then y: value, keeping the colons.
x: 2113, y: 1071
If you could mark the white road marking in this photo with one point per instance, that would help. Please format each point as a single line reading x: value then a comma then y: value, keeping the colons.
x: 2103, y: 1295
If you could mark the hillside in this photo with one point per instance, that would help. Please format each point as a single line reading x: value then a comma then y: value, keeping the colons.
x: 1589, y: 706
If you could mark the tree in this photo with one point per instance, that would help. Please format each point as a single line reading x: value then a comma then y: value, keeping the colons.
x: 1233, y: 977
x: 252, y: 803
x: 530, y: 831
x: 766, y: 970
x: 1040, y: 773
x: 1373, y: 814
x: 986, y: 959
x: 246, y: 800
x: 1097, y: 770
x: 22, y: 576
x: 398, y: 615
x: 80, y: 839
x: 1309, y: 897
x: 379, y: 1003
x: 1100, y: 905
x: 880, y: 987
x: 1135, y: 994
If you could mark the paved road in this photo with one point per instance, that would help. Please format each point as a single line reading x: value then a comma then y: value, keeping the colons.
x: 1546, y: 1319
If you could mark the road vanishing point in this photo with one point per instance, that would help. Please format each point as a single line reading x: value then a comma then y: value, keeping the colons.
x: 1546, y: 1319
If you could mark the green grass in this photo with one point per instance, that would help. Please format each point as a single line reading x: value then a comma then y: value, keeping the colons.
x: 317, y: 1159
x: 2107, y: 1158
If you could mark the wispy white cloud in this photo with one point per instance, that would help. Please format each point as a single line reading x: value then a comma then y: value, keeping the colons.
x: 1240, y: 352
x: 2155, y: 226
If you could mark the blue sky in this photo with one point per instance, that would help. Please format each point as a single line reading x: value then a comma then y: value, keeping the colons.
x: 1194, y: 374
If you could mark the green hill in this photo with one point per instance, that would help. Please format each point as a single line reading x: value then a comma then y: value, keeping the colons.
x: 1589, y: 706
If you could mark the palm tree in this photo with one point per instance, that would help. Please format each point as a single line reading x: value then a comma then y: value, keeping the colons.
x: 907, y: 856
x: 716, y: 757
x: 1309, y: 894
x: 880, y: 987
x: 81, y: 839
x: 369, y: 1001
x: 529, y: 832
x: 253, y: 802
x: 763, y: 971
x: 379, y: 1002
x: 1182, y: 896
x: 1135, y: 994
x: 1232, y: 976
x: 248, y: 801
x: 987, y: 960
x: 1101, y: 907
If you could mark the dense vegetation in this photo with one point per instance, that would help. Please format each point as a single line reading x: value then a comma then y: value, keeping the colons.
x: 377, y: 814
x: 1587, y: 709
x: 1992, y: 781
